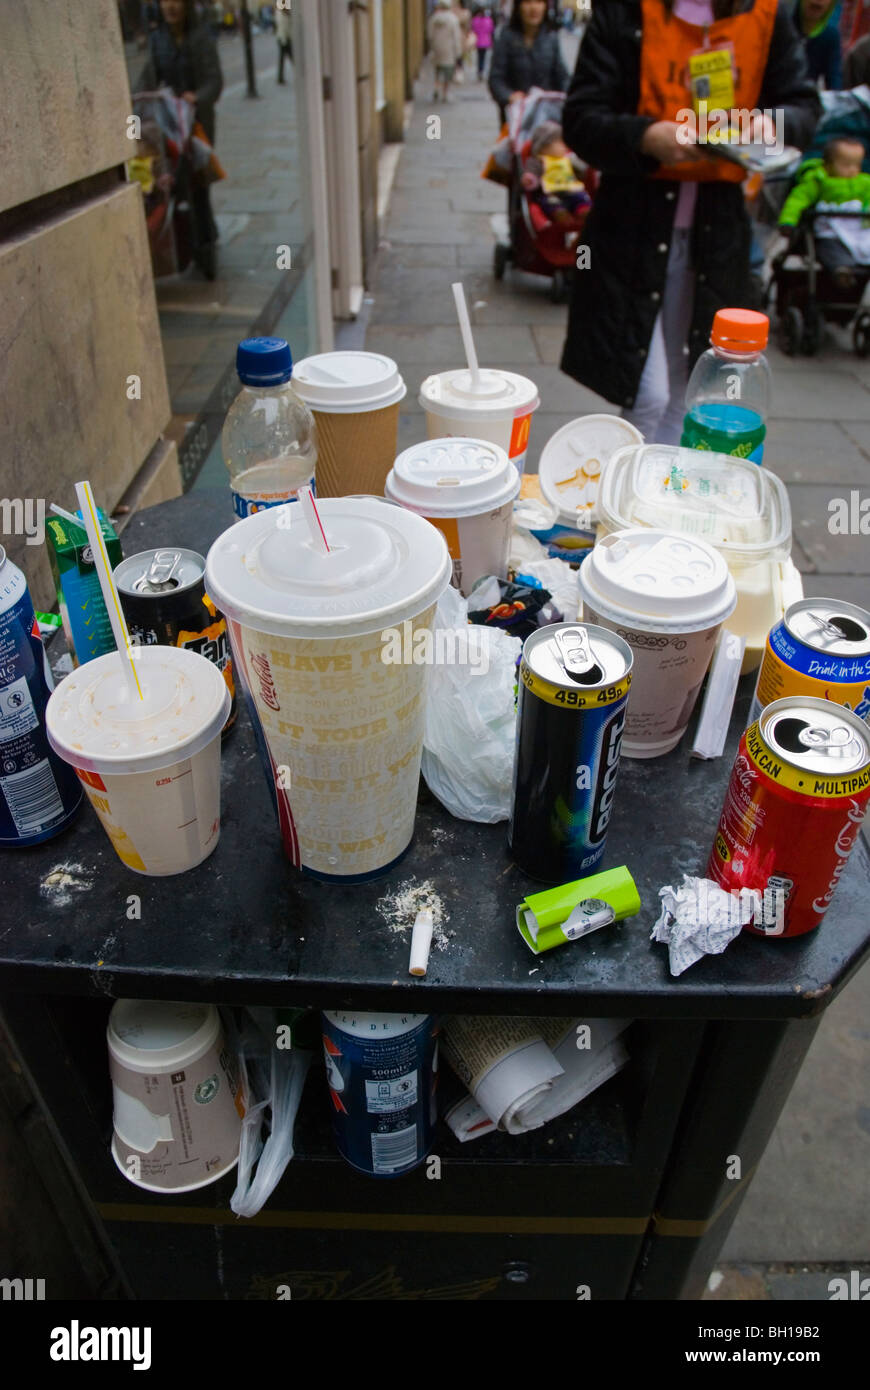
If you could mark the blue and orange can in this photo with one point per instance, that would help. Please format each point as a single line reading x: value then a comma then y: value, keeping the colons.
x: 821, y: 649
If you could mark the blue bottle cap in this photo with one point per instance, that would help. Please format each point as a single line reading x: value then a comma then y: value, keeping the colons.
x: 264, y: 361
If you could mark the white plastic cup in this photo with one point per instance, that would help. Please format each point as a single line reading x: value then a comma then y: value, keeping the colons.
x: 150, y: 767
x: 467, y: 488
x: 666, y: 595
x: 178, y: 1108
x: 498, y: 408
x: 354, y: 398
x: 327, y: 648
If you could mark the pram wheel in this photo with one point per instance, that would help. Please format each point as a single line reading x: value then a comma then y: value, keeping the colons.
x: 559, y: 287
x: 500, y: 260
x: 791, y: 331
x: 861, y: 335
x: 811, y: 339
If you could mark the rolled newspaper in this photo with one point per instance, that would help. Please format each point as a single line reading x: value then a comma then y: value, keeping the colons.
x: 522, y: 1072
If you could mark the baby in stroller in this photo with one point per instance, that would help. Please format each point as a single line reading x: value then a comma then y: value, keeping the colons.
x: 553, y: 176
x: 823, y: 268
x: 550, y: 192
x: 835, y: 184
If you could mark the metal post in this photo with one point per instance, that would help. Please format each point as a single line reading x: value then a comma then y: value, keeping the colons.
x: 249, y: 51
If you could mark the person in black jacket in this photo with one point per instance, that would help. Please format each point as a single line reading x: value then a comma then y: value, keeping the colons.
x: 526, y: 55
x: 183, y: 56
x: 668, y: 233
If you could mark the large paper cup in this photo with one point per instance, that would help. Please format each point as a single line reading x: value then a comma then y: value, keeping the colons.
x: 332, y: 651
x: 150, y: 767
x: 498, y: 407
x: 466, y: 488
x: 355, y: 398
x: 666, y: 595
x: 570, y: 471
x: 178, y: 1109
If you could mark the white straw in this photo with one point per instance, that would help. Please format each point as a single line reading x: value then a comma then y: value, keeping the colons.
x: 107, y: 584
x: 312, y: 516
x: 67, y: 516
x: 465, y: 330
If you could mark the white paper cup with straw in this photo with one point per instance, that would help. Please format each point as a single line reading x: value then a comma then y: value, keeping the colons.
x: 141, y: 726
x: 329, y: 620
x: 480, y: 402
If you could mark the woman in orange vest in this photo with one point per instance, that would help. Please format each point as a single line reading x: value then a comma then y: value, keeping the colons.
x: 668, y: 234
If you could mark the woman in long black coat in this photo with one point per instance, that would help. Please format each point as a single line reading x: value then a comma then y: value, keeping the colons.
x: 642, y: 312
x: 526, y: 54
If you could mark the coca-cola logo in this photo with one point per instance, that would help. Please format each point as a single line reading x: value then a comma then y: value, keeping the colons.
x: 843, y: 847
x: 743, y: 772
x: 262, y: 670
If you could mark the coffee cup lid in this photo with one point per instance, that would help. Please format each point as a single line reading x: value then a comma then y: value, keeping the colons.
x: 658, y: 580
x: 384, y: 565
x: 339, y: 383
x: 94, y: 722
x: 154, y: 1034
x: 572, y: 460
x: 453, y: 477
x: 493, y: 391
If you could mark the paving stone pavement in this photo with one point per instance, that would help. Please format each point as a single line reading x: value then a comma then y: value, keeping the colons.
x: 808, y: 1203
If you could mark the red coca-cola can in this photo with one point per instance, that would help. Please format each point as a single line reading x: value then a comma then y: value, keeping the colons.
x: 799, y: 790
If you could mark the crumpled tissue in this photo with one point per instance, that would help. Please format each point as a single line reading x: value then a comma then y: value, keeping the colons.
x: 699, y: 918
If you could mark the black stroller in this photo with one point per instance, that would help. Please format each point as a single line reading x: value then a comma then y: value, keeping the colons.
x: 808, y: 295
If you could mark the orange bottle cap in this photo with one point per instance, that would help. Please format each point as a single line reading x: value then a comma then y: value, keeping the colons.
x: 740, y: 330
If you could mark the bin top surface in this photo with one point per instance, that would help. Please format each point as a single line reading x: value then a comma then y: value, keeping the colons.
x: 245, y: 927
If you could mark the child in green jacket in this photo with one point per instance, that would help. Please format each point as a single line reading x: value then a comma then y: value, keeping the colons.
x: 835, y: 183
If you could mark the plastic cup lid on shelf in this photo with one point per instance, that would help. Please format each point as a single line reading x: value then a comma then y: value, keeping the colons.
x: 658, y: 580
x: 95, y: 723
x: 385, y: 565
x: 154, y: 1033
x: 740, y: 330
x: 573, y: 459
x: 453, y: 477
x: 495, y: 392
x: 341, y: 383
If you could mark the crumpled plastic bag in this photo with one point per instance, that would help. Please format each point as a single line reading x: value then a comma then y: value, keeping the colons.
x: 273, y: 1079
x: 700, y: 918
x: 468, y: 745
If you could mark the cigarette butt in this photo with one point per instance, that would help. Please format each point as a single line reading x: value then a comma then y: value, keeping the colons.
x: 421, y: 942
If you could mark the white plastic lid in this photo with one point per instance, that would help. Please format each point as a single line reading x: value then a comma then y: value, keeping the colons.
x: 658, y: 580
x: 385, y: 565
x: 739, y: 508
x: 96, y: 724
x: 338, y: 383
x: 495, y: 393
x: 453, y: 477
x: 573, y: 459
x: 160, y: 1035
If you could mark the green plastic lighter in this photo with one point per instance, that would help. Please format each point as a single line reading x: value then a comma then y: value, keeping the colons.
x: 576, y: 909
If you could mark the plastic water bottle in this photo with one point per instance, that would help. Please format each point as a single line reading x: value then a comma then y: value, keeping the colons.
x: 269, y: 438
x: 728, y: 395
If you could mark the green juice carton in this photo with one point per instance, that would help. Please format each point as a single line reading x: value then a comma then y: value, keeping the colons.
x: 79, y: 596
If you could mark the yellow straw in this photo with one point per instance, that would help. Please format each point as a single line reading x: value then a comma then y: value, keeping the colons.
x: 107, y: 584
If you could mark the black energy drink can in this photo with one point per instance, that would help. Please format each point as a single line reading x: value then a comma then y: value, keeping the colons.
x: 573, y: 692
x: 165, y: 604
